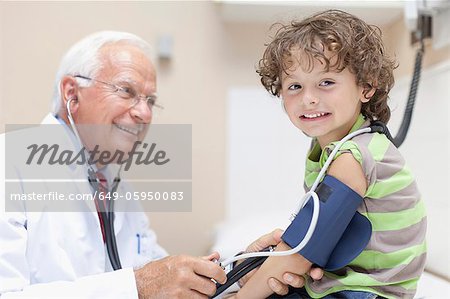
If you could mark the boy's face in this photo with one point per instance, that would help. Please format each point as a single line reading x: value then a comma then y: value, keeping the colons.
x: 322, y: 104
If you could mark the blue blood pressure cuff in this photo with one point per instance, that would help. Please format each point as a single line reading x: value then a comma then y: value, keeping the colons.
x: 341, y: 232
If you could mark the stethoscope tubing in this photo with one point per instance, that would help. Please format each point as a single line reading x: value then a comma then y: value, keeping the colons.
x: 107, y: 216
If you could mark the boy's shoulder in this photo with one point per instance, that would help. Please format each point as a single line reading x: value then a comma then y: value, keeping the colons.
x: 377, y: 147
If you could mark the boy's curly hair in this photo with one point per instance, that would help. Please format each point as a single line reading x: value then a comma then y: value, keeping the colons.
x: 357, y: 45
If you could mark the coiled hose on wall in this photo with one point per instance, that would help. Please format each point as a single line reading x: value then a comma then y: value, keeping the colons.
x: 407, y: 116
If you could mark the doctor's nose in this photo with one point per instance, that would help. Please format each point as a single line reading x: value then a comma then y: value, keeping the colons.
x: 141, y: 113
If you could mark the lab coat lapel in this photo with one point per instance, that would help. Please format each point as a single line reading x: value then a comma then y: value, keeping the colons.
x: 77, y: 172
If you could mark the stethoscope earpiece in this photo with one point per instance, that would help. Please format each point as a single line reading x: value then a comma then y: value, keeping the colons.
x: 69, y: 113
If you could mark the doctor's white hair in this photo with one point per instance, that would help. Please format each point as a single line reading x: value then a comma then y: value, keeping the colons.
x: 83, y: 58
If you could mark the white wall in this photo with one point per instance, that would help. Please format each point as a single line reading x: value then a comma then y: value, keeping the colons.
x: 426, y: 149
x: 265, y: 155
x: 265, y: 168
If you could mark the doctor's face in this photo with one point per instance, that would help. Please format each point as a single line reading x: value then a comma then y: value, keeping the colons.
x: 117, y: 125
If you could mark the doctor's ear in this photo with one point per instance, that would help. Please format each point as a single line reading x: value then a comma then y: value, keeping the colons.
x: 69, y: 92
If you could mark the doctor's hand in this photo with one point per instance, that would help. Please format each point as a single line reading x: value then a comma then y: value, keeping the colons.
x: 294, y: 280
x: 180, y: 276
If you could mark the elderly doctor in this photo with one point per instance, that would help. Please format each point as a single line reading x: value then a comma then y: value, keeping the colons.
x: 107, y: 78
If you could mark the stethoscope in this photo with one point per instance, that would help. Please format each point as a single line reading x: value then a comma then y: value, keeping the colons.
x: 107, y: 216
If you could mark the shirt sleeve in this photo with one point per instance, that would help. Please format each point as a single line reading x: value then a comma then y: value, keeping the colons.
x: 349, y: 146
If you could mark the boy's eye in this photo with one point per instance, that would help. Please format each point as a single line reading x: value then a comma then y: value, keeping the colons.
x: 326, y: 83
x: 294, y: 87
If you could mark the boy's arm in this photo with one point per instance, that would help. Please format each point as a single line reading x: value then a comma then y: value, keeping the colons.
x: 346, y: 169
x: 256, y: 286
x: 280, y: 287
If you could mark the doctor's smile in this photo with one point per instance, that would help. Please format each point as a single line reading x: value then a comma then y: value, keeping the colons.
x: 130, y: 130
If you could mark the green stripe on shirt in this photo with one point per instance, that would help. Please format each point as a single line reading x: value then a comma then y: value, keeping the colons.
x: 370, y: 259
x: 397, y: 182
x: 397, y: 220
x: 378, y: 146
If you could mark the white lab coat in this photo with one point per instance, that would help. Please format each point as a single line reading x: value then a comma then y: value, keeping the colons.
x: 62, y: 254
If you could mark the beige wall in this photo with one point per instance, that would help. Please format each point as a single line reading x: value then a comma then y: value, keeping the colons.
x: 34, y: 37
x: 209, y: 57
x: 397, y: 40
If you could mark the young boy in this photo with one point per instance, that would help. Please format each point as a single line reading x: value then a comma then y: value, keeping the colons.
x: 333, y: 76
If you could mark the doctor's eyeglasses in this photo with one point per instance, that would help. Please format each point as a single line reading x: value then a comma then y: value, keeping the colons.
x: 128, y: 93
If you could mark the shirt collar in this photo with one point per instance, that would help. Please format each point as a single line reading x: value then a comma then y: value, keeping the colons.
x: 359, y: 123
x: 316, y: 151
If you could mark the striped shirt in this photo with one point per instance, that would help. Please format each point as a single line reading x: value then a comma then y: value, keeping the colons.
x: 394, y: 258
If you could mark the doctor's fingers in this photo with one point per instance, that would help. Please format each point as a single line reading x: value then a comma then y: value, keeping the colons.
x: 316, y: 273
x: 294, y: 280
x: 203, y: 286
x: 244, y: 279
x: 212, y: 257
x: 209, y: 269
x: 270, y: 239
x: 277, y: 287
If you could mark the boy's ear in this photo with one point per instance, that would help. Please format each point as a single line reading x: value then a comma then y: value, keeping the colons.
x: 367, y: 93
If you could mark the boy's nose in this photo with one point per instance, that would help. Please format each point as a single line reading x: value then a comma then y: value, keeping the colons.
x: 309, y: 98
